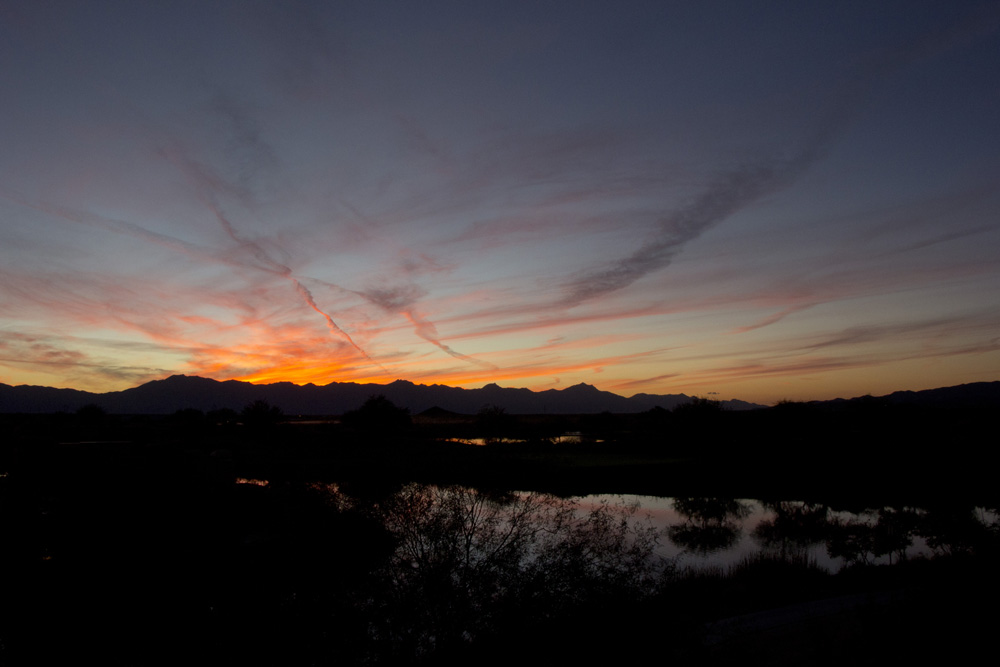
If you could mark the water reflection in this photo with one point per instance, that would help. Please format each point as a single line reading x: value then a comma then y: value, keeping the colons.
x: 705, y: 532
x: 570, y: 438
x: 793, y: 527
x: 887, y: 533
x: 711, y: 524
x: 252, y: 481
x: 720, y: 532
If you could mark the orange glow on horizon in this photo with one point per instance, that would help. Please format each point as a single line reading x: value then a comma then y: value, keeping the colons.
x: 300, y: 375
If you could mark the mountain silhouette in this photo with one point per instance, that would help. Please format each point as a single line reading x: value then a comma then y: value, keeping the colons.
x: 181, y: 391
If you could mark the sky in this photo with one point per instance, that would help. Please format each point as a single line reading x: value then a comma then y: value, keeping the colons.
x: 754, y: 200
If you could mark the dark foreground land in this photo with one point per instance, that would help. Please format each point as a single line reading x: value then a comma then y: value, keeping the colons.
x: 137, y: 541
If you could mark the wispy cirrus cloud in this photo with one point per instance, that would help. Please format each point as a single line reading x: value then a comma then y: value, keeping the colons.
x: 312, y: 193
x: 722, y: 199
x: 773, y: 319
x: 47, y: 357
x: 402, y: 300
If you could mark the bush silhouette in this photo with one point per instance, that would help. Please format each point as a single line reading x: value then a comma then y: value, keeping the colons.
x: 699, y: 408
x: 470, y: 564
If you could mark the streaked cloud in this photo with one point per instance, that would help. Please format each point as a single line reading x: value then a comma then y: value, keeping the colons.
x: 800, y: 204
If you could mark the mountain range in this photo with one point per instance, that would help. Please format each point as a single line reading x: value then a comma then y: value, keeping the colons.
x: 180, y: 392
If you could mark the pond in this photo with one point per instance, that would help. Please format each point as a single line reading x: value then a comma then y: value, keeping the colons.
x: 569, y: 438
x: 719, y: 532
x: 712, y: 532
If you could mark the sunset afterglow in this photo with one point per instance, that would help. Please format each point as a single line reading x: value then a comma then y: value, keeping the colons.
x: 749, y: 200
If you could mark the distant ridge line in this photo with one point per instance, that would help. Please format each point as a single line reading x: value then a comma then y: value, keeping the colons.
x: 973, y: 394
x: 179, y: 392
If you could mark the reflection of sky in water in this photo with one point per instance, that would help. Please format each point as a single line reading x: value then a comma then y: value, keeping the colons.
x: 564, y: 439
x: 663, y: 515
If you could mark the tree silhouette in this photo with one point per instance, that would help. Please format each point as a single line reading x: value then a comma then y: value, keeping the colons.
x: 92, y: 415
x: 493, y: 423
x: 260, y: 414
x: 379, y: 414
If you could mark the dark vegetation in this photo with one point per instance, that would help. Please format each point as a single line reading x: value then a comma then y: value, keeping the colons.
x: 379, y: 539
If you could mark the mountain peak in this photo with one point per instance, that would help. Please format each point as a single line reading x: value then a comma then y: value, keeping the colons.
x: 581, y: 387
x: 184, y: 379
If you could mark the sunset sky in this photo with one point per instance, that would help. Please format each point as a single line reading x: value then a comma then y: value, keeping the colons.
x: 755, y: 200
